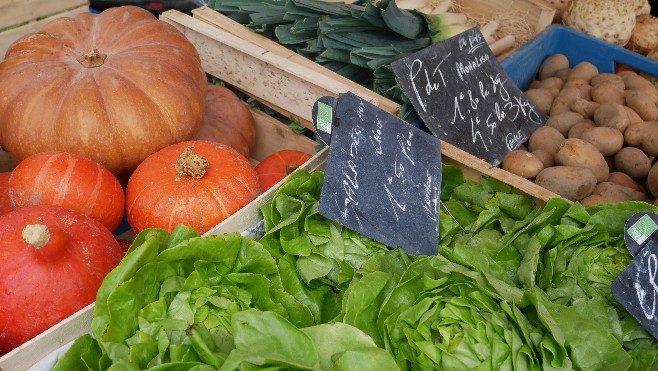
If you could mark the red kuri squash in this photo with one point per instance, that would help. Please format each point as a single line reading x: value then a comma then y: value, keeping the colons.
x: 53, y: 261
x: 68, y: 180
x: 5, y: 204
x: 197, y: 183
x: 113, y: 87
x: 279, y: 165
x: 228, y: 120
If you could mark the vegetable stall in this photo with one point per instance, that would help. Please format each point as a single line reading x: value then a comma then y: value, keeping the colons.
x: 162, y: 197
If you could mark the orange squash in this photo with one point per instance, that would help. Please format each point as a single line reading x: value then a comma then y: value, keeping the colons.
x: 279, y: 165
x: 68, y: 180
x: 197, y: 183
x: 53, y: 261
x: 5, y: 204
x: 228, y: 120
x: 113, y: 87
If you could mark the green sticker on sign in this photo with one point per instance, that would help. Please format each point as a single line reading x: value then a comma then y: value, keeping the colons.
x: 641, y: 230
x: 324, y: 117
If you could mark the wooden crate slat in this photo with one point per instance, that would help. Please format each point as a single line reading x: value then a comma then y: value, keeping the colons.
x: 9, y: 36
x: 14, y: 12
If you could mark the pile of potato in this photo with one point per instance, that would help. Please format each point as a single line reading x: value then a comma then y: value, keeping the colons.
x: 601, y: 138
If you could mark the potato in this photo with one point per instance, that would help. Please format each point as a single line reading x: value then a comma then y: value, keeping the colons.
x: 623, y: 179
x: 605, y: 188
x: 583, y: 71
x: 534, y: 84
x: 551, y: 82
x: 577, y: 130
x: 637, y: 82
x: 604, y: 199
x: 564, y: 121
x: 584, y: 107
x: 542, y: 98
x: 546, y: 138
x: 577, y: 152
x: 652, y: 180
x: 633, y: 162
x: 611, y: 115
x: 635, y: 133
x: 522, y: 163
x: 608, y: 92
x: 583, y: 87
x: 650, y: 140
x: 562, y: 101
x: 632, y: 115
x: 544, y: 156
x: 607, y: 140
x: 642, y: 104
x: 551, y: 65
x: 609, y: 77
x: 571, y: 182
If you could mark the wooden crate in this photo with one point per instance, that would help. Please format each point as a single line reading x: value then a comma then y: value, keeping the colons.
x: 20, y: 17
x: 291, y: 84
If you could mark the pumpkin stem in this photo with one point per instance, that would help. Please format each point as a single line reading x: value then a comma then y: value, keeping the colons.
x: 190, y: 163
x: 291, y: 167
x: 92, y: 59
x: 36, y: 235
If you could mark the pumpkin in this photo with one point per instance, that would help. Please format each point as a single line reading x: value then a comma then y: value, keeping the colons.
x: 53, y: 261
x: 279, y: 165
x: 197, y: 183
x: 113, y: 87
x: 5, y: 204
x: 68, y: 180
x: 228, y: 120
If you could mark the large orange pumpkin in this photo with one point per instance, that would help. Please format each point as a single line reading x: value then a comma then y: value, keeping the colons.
x: 228, y: 120
x: 68, y: 180
x: 53, y: 261
x: 197, y: 183
x: 113, y: 87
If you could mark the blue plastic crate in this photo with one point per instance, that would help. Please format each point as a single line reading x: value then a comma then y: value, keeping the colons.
x: 522, y: 65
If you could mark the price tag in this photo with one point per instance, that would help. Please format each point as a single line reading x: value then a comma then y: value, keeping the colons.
x: 383, y: 177
x: 636, y: 288
x: 465, y: 97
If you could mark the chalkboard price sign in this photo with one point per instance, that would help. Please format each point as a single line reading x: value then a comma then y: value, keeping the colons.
x: 383, y: 177
x: 465, y: 97
x: 636, y: 288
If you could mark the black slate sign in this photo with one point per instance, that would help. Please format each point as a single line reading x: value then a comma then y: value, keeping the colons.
x: 383, y: 177
x: 636, y: 288
x: 465, y: 97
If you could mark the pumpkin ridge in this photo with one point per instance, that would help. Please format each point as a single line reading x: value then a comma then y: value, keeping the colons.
x: 216, y: 197
x: 65, y: 180
x: 94, y: 195
x: 135, y: 89
x: 24, y: 127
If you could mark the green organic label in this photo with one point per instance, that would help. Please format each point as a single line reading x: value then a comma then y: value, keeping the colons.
x: 325, y: 117
x: 642, y: 229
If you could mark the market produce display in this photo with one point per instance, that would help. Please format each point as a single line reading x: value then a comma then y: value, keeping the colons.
x: 599, y: 142
x: 53, y: 260
x: 509, y: 285
x: 114, y: 87
x: 198, y: 183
